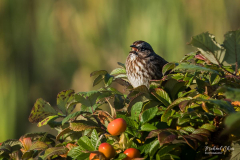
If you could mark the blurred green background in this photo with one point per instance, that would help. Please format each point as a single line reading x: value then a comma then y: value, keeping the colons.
x: 49, y: 46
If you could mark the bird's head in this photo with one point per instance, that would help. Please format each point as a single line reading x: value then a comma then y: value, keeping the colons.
x: 141, y: 48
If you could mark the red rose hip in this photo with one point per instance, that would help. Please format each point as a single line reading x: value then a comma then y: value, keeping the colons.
x: 117, y: 126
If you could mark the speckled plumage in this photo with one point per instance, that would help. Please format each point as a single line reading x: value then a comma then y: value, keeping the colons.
x: 143, y: 64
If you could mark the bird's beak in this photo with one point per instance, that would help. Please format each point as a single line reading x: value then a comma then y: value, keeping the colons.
x: 133, y: 46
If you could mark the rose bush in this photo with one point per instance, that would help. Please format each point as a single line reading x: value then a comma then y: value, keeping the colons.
x: 195, y: 106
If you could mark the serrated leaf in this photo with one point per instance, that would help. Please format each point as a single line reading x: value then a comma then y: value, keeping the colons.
x: 54, y: 151
x: 232, y: 45
x: 38, y: 145
x: 118, y: 71
x: 100, y: 72
x: 136, y: 110
x: 162, y: 96
x: 47, y: 120
x: 75, y: 152
x: 81, y: 125
x: 148, y: 127
x: 212, y: 50
x: 149, y: 114
x: 168, y: 67
x: 64, y: 99
x: 94, y: 138
x: 40, y: 111
x: 86, y: 143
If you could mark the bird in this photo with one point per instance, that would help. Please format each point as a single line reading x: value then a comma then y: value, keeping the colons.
x: 143, y: 64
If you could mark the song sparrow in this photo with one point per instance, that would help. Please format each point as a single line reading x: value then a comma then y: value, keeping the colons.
x: 143, y: 64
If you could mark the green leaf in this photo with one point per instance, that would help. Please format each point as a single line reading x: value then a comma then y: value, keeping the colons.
x: 38, y: 145
x: 47, y: 120
x: 212, y: 50
x: 121, y: 156
x: 149, y: 114
x: 54, y: 151
x: 119, y: 101
x: 141, y: 88
x: 224, y: 105
x: 217, y: 112
x: 108, y: 80
x: 192, y: 67
x: 121, y: 64
x: 166, y: 149
x: 214, y: 79
x: 64, y: 132
x: 168, y: 67
x: 201, y: 131
x: 73, y: 115
x: 118, y: 71
x: 188, y: 129
x: 94, y: 138
x: 209, y: 127
x: 146, y: 148
x: 87, y: 99
x: 86, y: 143
x: 136, y: 110
x: 100, y: 72
x: 97, y: 80
x: 154, y: 147
x: 166, y: 114
x: 81, y: 125
x: 130, y: 122
x: 76, y: 152
x: 148, y: 127
x: 64, y: 100
x: 162, y: 96
x: 41, y: 110
x: 232, y: 45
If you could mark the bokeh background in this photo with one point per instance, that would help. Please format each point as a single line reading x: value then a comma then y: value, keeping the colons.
x: 47, y: 46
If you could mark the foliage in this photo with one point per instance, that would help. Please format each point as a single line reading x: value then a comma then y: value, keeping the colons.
x: 177, y: 117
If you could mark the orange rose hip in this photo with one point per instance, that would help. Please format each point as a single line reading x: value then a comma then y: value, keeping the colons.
x: 107, y: 149
x: 131, y: 153
x: 117, y: 126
